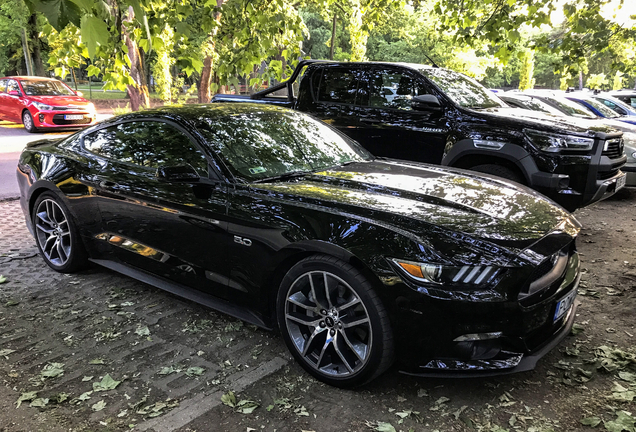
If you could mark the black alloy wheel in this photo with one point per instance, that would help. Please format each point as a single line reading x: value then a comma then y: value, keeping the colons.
x: 27, y: 121
x: 333, y: 322
x: 56, y: 236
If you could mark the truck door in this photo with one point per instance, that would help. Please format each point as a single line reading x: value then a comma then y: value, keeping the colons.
x: 389, y: 126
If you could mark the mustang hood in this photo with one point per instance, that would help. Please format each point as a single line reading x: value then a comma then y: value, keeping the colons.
x: 408, y: 196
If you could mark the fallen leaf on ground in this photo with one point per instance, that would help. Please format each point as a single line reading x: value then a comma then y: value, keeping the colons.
x: 98, y: 406
x: 195, y: 370
x: 25, y: 397
x: 39, y: 403
x: 52, y: 370
x: 107, y: 383
x: 142, y: 331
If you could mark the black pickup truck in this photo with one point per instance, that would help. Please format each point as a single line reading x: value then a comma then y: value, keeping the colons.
x: 434, y: 115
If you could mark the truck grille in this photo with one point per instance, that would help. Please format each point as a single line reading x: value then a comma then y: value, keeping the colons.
x: 614, y: 148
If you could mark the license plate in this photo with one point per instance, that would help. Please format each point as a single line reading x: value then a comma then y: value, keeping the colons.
x: 620, y: 182
x: 564, y: 305
x: 73, y: 117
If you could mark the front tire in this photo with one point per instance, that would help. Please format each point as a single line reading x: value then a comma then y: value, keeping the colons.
x: 27, y: 121
x: 333, y: 322
x: 56, y: 235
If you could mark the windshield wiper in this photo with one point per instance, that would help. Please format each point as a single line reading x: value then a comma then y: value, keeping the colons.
x: 286, y: 176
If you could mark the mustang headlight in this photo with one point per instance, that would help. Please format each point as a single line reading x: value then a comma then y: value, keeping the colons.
x: 449, y: 277
x: 553, y: 143
x: 42, y: 107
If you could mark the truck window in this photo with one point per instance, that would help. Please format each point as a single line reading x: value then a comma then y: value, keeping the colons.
x: 392, y: 89
x: 338, y: 85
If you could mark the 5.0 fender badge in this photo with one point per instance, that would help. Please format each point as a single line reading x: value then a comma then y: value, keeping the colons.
x: 242, y: 241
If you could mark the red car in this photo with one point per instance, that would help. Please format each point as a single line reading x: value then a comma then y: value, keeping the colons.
x: 40, y: 102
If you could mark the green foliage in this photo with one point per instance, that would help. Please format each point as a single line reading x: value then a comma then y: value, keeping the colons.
x: 13, y: 18
x: 526, y: 80
x: 597, y: 81
x: 163, y: 63
x: 252, y: 32
x: 617, y: 82
x: 496, y: 21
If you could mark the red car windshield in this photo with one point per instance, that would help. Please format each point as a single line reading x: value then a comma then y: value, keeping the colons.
x: 46, y: 88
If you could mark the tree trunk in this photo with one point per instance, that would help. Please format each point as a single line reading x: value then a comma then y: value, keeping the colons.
x: 204, y: 82
x: 139, y: 97
x: 203, y: 87
x: 38, y: 66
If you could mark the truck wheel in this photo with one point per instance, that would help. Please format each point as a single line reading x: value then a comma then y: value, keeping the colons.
x: 500, y: 171
x: 333, y: 322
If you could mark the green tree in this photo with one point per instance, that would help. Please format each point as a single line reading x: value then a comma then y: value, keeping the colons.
x: 526, y: 75
x: 597, y: 81
x: 617, y: 82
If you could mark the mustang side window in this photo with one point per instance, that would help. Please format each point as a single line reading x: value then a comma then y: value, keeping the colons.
x: 148, y: 144
x: 3, y: 86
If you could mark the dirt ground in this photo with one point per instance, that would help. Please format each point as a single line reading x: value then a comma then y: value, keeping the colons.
x: 106, y: 353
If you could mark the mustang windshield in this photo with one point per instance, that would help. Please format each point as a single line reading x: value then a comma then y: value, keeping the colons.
x: 464, y: 91
x: 46, y: 88
x: 263, y: 145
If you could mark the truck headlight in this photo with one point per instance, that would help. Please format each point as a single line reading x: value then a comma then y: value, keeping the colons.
x: 449, y: 277
x: 553, y: 143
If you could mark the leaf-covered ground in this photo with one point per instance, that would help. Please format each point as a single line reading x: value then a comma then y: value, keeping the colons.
x: 97, y: 351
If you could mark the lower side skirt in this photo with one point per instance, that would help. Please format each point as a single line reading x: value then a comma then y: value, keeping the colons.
x: 185, y: 292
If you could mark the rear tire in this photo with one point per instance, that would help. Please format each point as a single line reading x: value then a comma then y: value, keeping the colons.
x: 500, y: 171
x: 27, y: 121
x: 56, y: 235
x: 333, y: 322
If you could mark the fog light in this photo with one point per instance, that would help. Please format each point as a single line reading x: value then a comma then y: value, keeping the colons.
x: 41, y: 117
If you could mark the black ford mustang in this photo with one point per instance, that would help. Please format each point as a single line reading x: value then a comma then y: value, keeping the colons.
x: 276, y: 218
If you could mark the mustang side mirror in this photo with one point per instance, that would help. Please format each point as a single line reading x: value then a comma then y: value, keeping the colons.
x: 79, y: 93
x: 14, y: 93
x: 426, y: 103
x: 178, y: 173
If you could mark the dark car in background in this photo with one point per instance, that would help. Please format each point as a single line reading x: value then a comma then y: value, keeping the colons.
x: 434, y: 115
x: 276, y: 218
x: 43, y: 103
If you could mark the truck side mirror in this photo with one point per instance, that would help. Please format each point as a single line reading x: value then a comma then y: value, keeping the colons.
x: 426, y: 102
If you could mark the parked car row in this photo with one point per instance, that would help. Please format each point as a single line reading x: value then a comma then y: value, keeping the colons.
x: 442, y: 117
x: 359, y: 253
x: 563, y: 104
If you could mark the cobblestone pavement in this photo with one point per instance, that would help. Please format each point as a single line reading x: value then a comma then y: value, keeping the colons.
x: 174, y: 358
